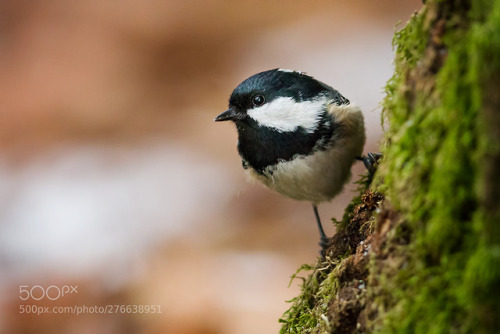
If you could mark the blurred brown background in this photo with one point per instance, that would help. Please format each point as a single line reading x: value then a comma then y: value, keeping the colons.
x: 115, y: 178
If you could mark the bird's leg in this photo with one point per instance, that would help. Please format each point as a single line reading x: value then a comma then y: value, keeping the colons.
x: 323, y: 239
x: 371, y: 161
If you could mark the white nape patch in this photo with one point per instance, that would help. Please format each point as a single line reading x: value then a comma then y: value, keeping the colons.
x: 285, y: 114
x: 288, y: 71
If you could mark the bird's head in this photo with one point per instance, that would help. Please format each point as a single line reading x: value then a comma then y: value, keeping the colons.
x: 281, y: 100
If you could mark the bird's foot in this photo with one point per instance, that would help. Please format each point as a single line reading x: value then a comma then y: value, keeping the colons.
x: 371, y: 162
x: 324, y: 243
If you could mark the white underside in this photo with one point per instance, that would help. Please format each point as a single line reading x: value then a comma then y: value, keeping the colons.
x: 322, y: 175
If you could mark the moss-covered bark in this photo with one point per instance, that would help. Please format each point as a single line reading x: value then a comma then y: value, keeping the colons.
x: 428, y: 260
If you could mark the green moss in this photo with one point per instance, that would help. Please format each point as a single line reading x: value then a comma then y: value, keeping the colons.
x: 304, y: 316
x: 432, y: 170
x: 410, y: 49
x: 301, y: 318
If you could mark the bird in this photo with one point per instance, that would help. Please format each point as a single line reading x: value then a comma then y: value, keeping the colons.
x: 297, y: 136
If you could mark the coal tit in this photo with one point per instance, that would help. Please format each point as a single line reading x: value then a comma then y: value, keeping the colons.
x: 296, y: 135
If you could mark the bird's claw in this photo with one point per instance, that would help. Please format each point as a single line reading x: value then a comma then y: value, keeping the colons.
x: 371, y: 161
x: 324, y: 243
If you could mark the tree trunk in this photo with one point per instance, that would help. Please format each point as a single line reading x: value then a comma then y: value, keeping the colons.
x: 419, y: 251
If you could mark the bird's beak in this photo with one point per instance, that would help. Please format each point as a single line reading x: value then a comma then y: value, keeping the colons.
x: 228, y: 115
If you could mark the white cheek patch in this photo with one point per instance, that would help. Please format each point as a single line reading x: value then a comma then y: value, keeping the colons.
x: 285, y: 114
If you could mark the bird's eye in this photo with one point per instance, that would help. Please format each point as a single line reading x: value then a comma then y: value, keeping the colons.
x: 258, y: 100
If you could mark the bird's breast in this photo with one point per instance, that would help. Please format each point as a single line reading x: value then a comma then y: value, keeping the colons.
x: 261, y: 147
x: 306, y: 166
